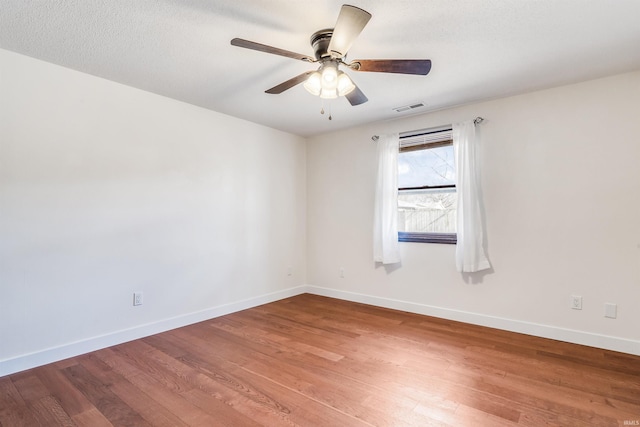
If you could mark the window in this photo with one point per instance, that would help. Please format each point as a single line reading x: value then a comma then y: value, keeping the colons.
x: 427, y: 187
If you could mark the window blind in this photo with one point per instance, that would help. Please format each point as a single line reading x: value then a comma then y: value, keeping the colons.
x: 425, y: 137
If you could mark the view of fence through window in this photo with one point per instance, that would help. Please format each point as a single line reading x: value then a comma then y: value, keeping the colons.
x: 427, y: 210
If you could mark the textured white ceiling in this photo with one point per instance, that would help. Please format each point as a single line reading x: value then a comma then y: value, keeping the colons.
x: 480, y: 49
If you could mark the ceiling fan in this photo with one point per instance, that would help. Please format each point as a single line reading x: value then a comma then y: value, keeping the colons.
x: 330, y: 49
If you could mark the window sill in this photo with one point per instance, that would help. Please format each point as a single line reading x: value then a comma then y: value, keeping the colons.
x: 446, y: 238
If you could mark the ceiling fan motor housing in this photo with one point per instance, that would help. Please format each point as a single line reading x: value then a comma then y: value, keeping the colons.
x: 330, y: 47
x: 320, y: 43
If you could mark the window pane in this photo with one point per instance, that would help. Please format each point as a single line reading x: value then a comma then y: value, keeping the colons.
x: 427, y: 211
x: 433, y: 166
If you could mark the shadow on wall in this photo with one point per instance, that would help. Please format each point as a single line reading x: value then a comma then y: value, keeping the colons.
x: 389, y: 268
x: 477, y: 277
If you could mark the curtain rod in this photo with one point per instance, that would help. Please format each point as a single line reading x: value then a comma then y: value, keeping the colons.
x: 476, y: 122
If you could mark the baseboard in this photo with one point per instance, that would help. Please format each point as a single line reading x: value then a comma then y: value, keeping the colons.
x: 545, y: 331
x: 32, y: 360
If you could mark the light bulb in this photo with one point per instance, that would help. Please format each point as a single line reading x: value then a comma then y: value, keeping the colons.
x: 313, y: 85
x: 328, y: 93
x: 345, y: 85
x: 329, y: 75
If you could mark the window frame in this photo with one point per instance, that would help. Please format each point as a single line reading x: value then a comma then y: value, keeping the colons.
x: 426, y: 237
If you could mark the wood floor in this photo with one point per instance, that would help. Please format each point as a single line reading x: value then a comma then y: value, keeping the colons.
x: 315, y: 361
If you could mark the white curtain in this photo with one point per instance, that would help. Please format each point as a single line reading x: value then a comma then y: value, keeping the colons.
x: 470, y: 255
x: 385, y: 218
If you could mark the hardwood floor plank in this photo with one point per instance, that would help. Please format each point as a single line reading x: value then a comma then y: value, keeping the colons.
x: 91, y: 418
x: 13, y: 409
x: 37, y: 400
x: 572, y: 405
x: 70, y: 398
x: 30, y: 387
x: 189, y: 382
x: 222, y: 387
x: 132, y: 396
x: 295, y: 408
x: 113, y: 408
x: 49, y: 412
x: 336, y: 392
x: 186, y: 411
x: 223, y: 412
x: 146, y: 359
x: 316, y: 361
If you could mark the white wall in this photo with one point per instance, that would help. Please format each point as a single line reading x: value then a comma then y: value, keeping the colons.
x: 561, y: 182
x: 106, y: 190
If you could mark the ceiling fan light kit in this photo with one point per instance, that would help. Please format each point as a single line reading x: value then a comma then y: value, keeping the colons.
x: 345, y: 85
x: 313, y: 84
x: 330, y: 49
x: 329, y: 82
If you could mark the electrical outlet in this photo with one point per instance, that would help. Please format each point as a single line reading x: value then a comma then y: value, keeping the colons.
x: 576, y: 302
x: 342, y: 272
x: 137, y: 298
x: 290, y: 271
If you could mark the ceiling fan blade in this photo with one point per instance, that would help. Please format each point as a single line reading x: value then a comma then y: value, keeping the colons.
x: 401, y: 66
x: 289, y: 83
x: 270, y: 49
x: 350, y: 24
x: 356, y: 97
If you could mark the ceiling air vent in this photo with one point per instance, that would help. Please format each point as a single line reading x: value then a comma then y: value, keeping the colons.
x: 408, y: 107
